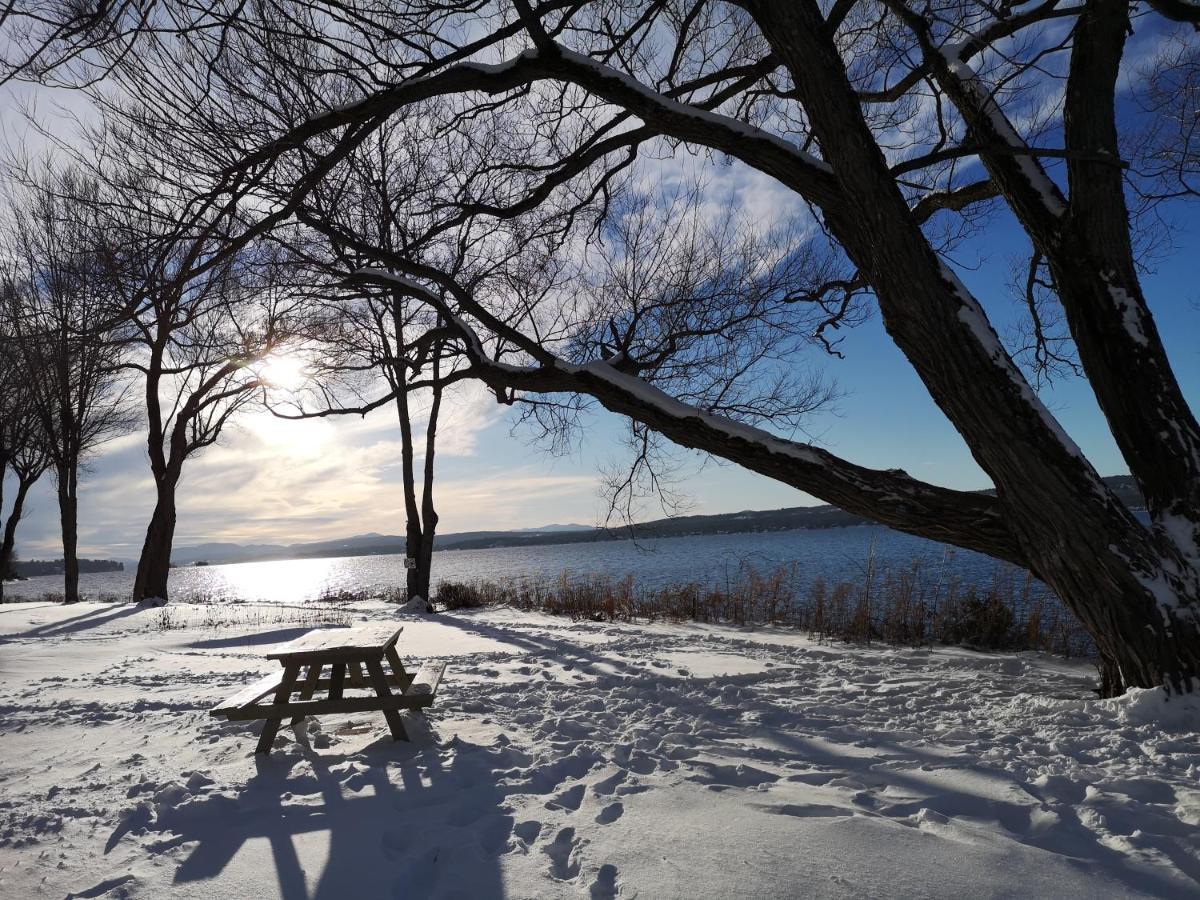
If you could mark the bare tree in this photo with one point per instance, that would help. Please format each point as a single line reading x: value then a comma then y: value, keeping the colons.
x: 9, y: 411
x: 893, y: 123
x: 59, y: 309
x: 22, y: 450
x: 365, y: 335
x: 196, y: 340
x: 376, y: 336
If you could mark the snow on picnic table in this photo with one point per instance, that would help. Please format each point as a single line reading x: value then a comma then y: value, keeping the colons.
x: 580, y: 759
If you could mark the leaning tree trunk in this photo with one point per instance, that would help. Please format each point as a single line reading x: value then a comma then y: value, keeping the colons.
x: 154, y: 565
x: 68, y: 514
x: 1136, y: 596
x: 10, y: 530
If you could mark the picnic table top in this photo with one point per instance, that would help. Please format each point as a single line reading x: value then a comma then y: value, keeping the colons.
x: 365, y: 640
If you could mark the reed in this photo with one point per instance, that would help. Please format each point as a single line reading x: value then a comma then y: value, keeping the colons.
x: 913, y: 605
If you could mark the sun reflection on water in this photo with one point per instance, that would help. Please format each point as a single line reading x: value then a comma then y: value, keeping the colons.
x: 290, y: 581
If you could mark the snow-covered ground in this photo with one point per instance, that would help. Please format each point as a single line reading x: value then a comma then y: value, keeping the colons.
x: 582, y: 760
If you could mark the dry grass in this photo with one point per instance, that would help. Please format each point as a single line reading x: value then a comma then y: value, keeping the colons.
x: 914, y: 606
x: 227, y: 614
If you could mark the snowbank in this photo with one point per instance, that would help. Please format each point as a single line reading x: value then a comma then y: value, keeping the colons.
x: 583, y: 760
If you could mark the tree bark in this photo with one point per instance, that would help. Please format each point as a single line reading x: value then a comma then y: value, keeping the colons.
x: 1087, y: 245
x: 68, y: 514
x: 154, y: 565
x: 1104, y: 565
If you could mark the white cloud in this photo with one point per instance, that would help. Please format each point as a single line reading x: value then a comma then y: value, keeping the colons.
x: 269, y: 480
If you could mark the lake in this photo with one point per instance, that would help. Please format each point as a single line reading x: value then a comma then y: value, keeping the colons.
x: 832, y: 553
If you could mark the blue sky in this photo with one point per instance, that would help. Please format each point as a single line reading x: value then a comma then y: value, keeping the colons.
x: 272, y: 481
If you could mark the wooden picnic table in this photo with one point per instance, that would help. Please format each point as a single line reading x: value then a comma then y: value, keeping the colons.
x: 347, y: 653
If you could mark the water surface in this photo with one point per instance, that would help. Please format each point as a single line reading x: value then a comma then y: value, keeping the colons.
x: 832, y: 553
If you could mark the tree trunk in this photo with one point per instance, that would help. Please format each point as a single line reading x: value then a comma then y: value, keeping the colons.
x: 1104, y: 565
x: 3, y: 559
x: 413, y: 532
x: 10, y: 530
x: 429, y: 516
x: 417, y: 577
x: 154, y: 565
x: 68, y: 514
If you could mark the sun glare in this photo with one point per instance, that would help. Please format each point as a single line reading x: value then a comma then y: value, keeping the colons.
x: 287, y: 373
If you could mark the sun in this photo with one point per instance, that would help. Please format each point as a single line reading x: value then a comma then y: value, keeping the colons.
x: 285, y: 372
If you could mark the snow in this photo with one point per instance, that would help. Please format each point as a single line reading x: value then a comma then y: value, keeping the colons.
x: 683, y: 109
x: 1183, y: 532
x: 415, y: 604
x: 1048, y: 192
x: 653, y: 396
x: 1131, y: 314
x: 971, y: 314
x: 581, y: 759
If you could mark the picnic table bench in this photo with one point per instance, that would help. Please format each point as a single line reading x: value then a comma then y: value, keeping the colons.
x: 347, y: 652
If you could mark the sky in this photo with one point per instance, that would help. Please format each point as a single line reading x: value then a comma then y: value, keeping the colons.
x: 274, y: 481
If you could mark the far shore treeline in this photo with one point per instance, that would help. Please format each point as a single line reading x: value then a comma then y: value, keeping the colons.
x: 33, y: 567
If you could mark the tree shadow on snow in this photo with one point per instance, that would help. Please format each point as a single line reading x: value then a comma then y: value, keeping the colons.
x: 275, y: 636
x: 82, y: 622
x: 897, y: 785
x: 565, y: 653
x: 893, y: 781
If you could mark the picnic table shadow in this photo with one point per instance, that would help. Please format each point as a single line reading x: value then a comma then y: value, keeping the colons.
x: 440, y: 830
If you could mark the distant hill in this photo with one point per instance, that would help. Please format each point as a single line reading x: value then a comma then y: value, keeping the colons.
x: 370, y: 544
x: 749, y: 521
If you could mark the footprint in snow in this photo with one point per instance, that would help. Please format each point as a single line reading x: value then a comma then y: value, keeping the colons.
x: 605, y: 885
x: 564, y: 863
x: 610, y: 813
x: 528, y: 831
x: 568, y: 799
x: 609, y: 784
x: 110, y: 884
x: 810, y: 811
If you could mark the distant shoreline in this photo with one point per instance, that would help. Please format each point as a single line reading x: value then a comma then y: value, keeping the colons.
x: 33, y: 568
x: 800, y: 518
